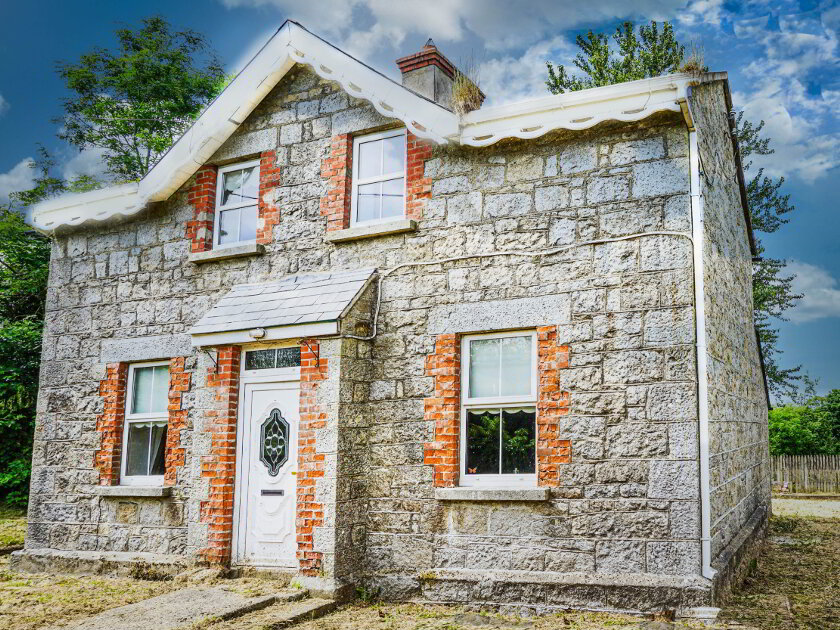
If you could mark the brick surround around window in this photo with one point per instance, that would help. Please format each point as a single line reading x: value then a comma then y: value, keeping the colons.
x: 219, y: 466
x: 202, y: 198
x: 313, y: 417
x: 444, y: 409
x: 552, y: 405
x: 109, y: 425
x: 337, y: 169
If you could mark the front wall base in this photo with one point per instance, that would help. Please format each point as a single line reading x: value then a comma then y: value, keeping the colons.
x: 110, y: 563
x: 524, y: 593
x: 327, y: 588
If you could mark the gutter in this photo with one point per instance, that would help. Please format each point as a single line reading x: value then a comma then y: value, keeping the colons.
x: 702, y: 364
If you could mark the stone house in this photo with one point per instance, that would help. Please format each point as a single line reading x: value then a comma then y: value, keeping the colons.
x: 505, y: 359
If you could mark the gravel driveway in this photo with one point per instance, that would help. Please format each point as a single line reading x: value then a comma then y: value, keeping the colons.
x: 814, y: 508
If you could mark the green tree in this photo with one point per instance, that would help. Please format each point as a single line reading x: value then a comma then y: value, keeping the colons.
x: 24, y: 267
x: 655, y: 53
x: 651, y: 54
x: 772, y: 289
x: 135, y: 101
x: 799, y: 430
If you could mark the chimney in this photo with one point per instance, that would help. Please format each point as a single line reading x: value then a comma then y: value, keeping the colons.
x: 430, y: 74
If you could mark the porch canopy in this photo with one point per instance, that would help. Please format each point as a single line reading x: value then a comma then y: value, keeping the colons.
x: 302, y: 305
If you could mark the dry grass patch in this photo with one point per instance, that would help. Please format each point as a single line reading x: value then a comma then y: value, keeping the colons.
x: 12, y: 527
x: 39, y: 600
x: 419, y: 617
x: 796, y: 582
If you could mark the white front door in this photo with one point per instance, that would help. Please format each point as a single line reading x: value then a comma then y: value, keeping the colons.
x: 266, y: 469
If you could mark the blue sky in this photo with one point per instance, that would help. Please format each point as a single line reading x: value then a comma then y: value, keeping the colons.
x: 782, y: 59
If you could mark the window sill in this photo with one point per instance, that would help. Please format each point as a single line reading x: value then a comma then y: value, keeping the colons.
x: 225, y: 253
x: 134, y: 491
x: 492, y: 494
x: 370, y: 231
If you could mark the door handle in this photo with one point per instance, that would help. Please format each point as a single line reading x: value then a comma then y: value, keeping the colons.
x: 272, y: 493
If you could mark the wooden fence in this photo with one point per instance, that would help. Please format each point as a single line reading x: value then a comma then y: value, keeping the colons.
x: 806, y: 474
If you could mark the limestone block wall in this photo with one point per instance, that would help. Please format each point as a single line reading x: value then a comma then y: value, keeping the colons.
x: 740, y: 473
x: 628, y: 500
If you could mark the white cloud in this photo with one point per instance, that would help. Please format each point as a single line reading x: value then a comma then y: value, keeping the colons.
x: 4, y: 105
x: 701, y: 12
x: 365, y: 26
x: 820, y: 292
x: 19, y: 178
x: 86, y: 162
x: 801, y: 121
x: 508, y: 79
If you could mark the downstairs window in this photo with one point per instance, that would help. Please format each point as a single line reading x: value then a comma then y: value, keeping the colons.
x: 146, y: 419
x: 498, y: 410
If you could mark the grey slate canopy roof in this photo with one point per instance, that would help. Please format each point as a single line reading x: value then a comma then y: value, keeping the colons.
x: 298, y: 299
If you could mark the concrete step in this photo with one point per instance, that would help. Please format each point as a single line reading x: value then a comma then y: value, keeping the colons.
x: 279, y: 616
x: 189, y: 607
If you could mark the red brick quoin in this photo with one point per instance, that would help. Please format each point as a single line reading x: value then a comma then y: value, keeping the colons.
x: 220, y: 465
x: 552, y: 405
x: 313, y: 417
x: 179, y: 382
x: 444, y: 409
x: 337, y: 169
x: 109, y: 424
x: 202, y: 198
x: 268, y: 212
x: 418, y: 188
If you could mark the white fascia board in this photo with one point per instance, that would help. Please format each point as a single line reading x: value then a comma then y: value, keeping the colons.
x: 575, y: 110
x: 76, y: 208
x: 278, y: 333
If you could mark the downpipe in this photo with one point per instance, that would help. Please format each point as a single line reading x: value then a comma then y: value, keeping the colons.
x: 702, y: 365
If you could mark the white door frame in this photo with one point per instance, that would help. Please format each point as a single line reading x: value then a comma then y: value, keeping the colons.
x: 249, y: 377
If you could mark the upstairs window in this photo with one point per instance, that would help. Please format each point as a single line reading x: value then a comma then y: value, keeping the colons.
x: 499, y: 410
x: 378, y: 177
x: 236, y: 205
x: 146, y: 418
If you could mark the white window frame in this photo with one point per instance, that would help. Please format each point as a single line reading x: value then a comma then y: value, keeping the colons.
x: 372, y: 137
x: 130, y: 418
x: 498, y: 480
x: 217, y: 216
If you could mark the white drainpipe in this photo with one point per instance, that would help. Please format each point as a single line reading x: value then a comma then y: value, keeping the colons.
x: 702, y: 367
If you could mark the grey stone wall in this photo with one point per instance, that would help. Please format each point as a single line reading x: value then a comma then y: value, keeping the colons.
x: 740, y: 467
x: 628, y: 502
